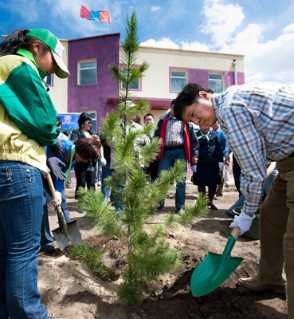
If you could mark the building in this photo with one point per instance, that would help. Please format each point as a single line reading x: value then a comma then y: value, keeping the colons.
x: 91, y: 87
x: 171, y: 69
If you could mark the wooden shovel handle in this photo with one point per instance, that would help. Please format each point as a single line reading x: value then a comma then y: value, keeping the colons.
x: 236, y: 232
x: 51, y: 185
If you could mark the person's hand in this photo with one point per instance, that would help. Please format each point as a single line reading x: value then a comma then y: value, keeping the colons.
x: 103, y: 161
x: 57, y: 198
x: 243, y: 222
x: 194, y: 160
x: 221, y: 166
x: 56, y: 165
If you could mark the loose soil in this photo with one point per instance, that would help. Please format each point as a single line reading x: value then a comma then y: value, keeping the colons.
x: 70, y: 290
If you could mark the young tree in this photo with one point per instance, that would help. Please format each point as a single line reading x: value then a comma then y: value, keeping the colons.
x: 149, y: 255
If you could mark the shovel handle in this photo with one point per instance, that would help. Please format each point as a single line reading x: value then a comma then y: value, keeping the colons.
x: 236, y: 232
x: 51, y: 185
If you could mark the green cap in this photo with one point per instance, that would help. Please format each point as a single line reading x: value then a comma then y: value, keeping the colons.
x: 55, y: 47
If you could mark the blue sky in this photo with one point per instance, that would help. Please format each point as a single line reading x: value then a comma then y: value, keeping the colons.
x: 263, y: 30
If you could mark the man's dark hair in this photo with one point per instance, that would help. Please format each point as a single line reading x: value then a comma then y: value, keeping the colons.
x: 186, y: 97
x: 83, y: 118
x: 148, y: 114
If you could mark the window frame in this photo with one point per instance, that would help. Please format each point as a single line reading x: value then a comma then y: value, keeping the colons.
x: 173, y: 69
x: 79, y: 72
x: 221, y: 74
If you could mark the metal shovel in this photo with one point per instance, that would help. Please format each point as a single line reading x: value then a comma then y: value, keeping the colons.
x: 67, y: 234
x: 215, y: 268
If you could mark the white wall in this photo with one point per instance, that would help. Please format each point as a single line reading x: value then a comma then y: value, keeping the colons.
x: 59, y: 90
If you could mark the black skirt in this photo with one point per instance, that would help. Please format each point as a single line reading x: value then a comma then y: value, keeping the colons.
x: 207, y: 174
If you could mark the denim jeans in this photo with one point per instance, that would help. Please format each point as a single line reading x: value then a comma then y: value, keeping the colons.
x: 21, y: 209
x: 106, y: 172
x: 170, y: 156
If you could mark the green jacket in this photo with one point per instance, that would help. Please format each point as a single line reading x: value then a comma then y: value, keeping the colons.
x: 24, y: 97
x: 27, y: 115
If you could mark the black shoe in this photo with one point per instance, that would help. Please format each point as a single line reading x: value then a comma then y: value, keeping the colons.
x: 212, y: 206
x: 51, y: 250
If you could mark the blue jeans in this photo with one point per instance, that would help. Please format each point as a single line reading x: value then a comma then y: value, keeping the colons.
x: 170, y: 156
x: 21, y: 210
x: 106, y: 172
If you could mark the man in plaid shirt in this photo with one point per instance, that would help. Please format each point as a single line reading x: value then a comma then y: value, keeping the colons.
x: 259, y: 124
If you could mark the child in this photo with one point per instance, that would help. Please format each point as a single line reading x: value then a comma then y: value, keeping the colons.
x: 209, y: 162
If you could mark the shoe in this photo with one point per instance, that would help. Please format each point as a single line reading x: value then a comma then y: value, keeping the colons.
x: 180, y: 211
x: 255, y: 284
x: 51, y: 250
x: 212, y: 206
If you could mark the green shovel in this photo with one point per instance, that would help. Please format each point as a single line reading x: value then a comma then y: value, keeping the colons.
x: 215, y: 268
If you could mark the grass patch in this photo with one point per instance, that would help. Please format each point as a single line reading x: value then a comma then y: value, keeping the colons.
x: 93, y: 259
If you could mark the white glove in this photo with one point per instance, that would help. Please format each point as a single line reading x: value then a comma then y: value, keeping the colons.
x: 243, y: 222
x: 220, y: 166
x: 57, y: 198
x: 103, y: 161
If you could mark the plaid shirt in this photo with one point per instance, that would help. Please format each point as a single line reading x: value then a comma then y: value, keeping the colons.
x: 259, y: 124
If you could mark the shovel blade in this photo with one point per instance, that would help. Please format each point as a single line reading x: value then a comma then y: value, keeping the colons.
x: 212, y: 272
x: 73, y: 236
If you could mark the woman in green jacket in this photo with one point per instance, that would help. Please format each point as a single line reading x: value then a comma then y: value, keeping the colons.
x: 27, y: 124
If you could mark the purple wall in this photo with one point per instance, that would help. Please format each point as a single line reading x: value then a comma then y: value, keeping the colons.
x: 201, y: 77
x: 229, y: 78
x: 198, y: 76
x: 105, y: 49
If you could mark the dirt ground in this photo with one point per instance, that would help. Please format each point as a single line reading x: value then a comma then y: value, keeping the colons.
x: 70, y: 291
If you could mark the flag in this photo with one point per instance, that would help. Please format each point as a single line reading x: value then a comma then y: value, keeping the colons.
x: 84, y: 13
x: 102, y: 15
x: 105, y: 16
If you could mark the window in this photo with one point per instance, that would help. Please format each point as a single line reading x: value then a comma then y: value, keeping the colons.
x: 87, y: 73
x: 216, y: 83
x: 49, y: 80
x: 134, y: 85
x: 178, y: 79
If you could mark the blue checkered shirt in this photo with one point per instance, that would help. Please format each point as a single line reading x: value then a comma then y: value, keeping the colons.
x: 259, y: 124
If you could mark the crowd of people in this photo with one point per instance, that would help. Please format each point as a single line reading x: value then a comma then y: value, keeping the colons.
x: 251, y: 124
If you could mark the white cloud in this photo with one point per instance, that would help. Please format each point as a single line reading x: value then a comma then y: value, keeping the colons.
x: 289, y: 28
x: 265, y: 60
x: 155, y: 8
x: 162, y: 43
x: 270, y: 60
x: 194, y: 46
x: 167, y: 43
x: 221, y: 20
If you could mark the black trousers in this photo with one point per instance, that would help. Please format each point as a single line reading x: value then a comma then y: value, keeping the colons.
x: 85, y: 175
x: 237, y: 174
x: 211, y: 191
